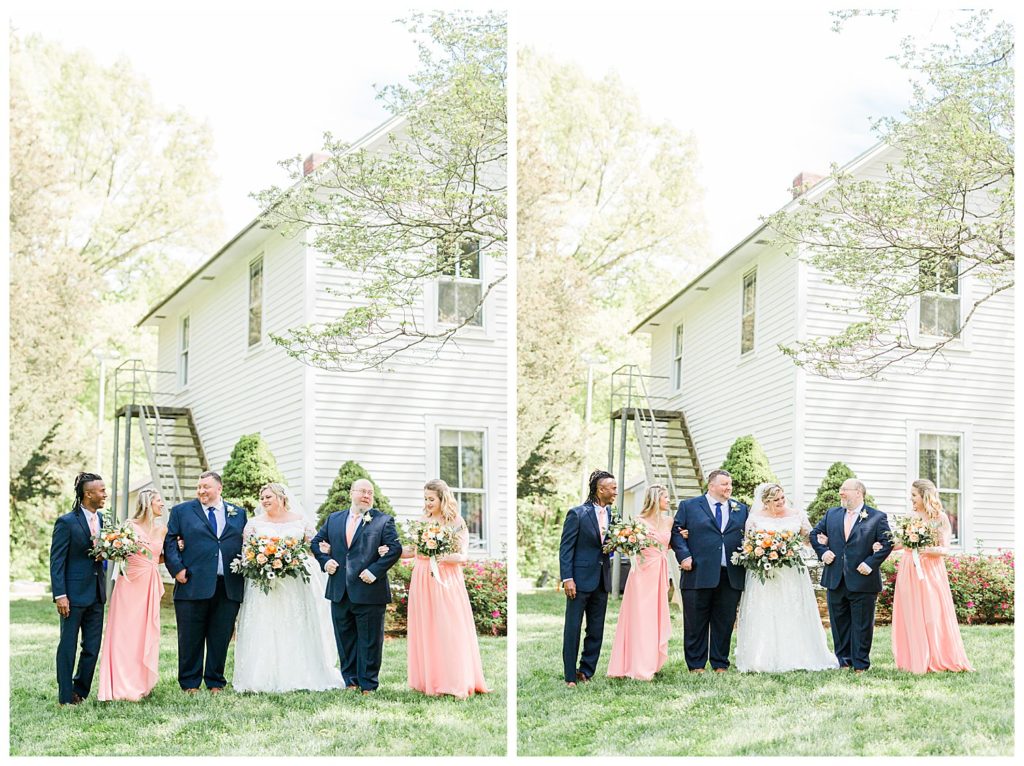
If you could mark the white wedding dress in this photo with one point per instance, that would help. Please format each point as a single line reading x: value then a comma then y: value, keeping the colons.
x: 779, y: 625
x: 285, y: 638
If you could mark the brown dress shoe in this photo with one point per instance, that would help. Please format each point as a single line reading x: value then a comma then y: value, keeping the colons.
x: 367, y: 692
x: 582, y: 678
x: 191, y: 691
x: 696, y: 670
x: 720, y: 670
x: 76, y: 699
x: 216, y: 689
x: 570, y: 684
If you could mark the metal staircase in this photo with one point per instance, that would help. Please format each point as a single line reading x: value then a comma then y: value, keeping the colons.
x: 169, y: 438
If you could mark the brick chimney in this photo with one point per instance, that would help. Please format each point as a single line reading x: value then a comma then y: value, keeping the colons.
x: 803, y: 182
x: 312, y: 162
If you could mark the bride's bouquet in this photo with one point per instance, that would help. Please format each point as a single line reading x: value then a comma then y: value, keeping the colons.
x: 765, y: 551
x: 914, y: 533
x: 115, y: 543
x: 266, y: 559
x: 433, y: 539
x: 628, y: 538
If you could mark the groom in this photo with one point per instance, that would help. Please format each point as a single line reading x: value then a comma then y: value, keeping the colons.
x: 357, y: 583
x: 851, y: 573
x: 711, y: 583
x: 208, y: 594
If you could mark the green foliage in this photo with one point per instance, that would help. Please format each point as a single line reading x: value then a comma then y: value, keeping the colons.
x: 538, y: 531
x: 828, y: 493
x: 250, y: 466
x: 748, y: 465
x: 486, y: 586
x: 339, y: 495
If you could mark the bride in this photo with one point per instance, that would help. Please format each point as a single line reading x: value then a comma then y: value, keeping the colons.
x: 285, y: 638
x: 779, y: 624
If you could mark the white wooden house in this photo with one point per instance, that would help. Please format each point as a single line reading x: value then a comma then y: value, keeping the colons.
x: 418, y: 421
x: 718, y: 371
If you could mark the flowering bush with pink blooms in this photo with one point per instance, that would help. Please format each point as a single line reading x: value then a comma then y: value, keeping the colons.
x: 486, y: 584
x: 982, y: 587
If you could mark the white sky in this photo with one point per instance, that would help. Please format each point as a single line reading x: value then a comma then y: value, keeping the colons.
x: 767, y: 94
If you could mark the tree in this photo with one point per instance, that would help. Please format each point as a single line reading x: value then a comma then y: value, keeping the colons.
x: 828, y: 493
x: 748, y: 466
x: 418, y: 211
x: 250, y: 466
x: 944, y: 212
x: 339, y: 496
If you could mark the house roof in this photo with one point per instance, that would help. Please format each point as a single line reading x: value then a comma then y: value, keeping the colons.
x: 816, y: 191
x: 204, y: 271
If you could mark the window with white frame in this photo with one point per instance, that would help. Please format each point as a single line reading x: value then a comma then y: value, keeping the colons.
x: 749, y: 301
x: 940, y: 460
x: 460, y: 286
x: 462, y: 466
x: 183, y: 341
x: 256, y: 301
x: 940, y: 297
x: 677, y: 357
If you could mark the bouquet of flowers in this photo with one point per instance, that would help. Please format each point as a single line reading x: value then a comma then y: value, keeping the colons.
x: 433, y: 539
x: 265, y: 559
x: 116, y: 542
x: 764, y: 551
x: 914, y: 533
x: 628, y: 538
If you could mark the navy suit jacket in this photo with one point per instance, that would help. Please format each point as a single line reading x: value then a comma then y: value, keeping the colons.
x: 580, y: 554
x: 851, y: 553
x: 705, y: 542
x: 73, y: 572
x: 368, y: 537
x: 189, y: 521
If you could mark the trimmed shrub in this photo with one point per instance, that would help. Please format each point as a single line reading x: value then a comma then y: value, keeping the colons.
x: 339, y: 495
x: 250, y: 466
x: 748, y: 465
x: 982, y: 587
x: 486, y: 585
x: 828, y: 492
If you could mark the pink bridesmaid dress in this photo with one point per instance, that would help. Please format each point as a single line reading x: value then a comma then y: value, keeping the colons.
x: 644, y: 626
x: 131, y: 648
x: 925, y: 633
x: 443, y: 653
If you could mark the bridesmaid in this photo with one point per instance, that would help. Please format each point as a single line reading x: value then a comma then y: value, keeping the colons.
x: 643, y: 629
x: 131, y: 649
x: 925, y: 634
x: 444, y: 656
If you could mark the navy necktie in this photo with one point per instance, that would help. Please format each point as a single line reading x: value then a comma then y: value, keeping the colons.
x: 718, y: 515
x: 213, y: 520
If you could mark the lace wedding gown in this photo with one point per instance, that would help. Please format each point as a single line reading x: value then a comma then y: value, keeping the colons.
x: 779, y: 624
x: 285, y: 638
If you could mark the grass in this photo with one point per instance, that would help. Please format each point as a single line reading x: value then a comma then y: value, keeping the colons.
x: 833, y: 713
x: 395, y: 721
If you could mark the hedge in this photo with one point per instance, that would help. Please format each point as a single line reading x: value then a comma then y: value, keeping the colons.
x: 486, y: 585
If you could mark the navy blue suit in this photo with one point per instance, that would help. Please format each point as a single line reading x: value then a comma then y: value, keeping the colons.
x: 711, y: 593
x: 357, y: 608
x: 581, y: 558
x: 205, y: 605
x: 851, y: 595
x: 75, y: 574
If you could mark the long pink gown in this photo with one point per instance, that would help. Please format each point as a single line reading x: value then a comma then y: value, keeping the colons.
x: 925, y: 633
x: 443, y: 653
x: 644, y: 626
x: 131, y: 647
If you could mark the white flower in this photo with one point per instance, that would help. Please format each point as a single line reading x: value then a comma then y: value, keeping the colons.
x: 231, y: 510
x: 863, y: 515
x: 367, y: 518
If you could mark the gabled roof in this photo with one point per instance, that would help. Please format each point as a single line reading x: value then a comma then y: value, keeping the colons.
x: 383, y: 129
x: 818, y: 190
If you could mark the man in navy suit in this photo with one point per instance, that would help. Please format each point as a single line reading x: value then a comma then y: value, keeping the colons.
x: 79, y: 588
x: 711, y: 584
x: 203, y: 537
x: 585, y: 570
x: 845, y: 540
x: 357, y: 583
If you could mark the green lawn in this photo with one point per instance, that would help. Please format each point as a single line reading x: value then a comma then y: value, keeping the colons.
x: 883, y: 712
x: 394, y: 721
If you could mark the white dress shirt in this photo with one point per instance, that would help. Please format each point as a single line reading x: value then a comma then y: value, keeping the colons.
x: 219, y: 513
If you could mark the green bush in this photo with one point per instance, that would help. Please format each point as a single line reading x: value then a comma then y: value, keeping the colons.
x: 748, y: 465
x: 339, y: 495
x: 538, y: 531
x: 982, y: 586
x: 486, y: 585
x: 250, y: 466
x: 828, y: 492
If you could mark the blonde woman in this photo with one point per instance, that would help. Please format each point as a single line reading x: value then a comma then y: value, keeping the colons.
x: 925, y: 634
x: 131, y: 648
x: 643, y: 628
x: 443, y: 652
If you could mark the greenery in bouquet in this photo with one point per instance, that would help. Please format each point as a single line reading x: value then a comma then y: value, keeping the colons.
x: 116, y: 542
x: 264, y: 560
x: 765, y: 551
x: 432, y: 538
x: 628, y: 538
x: 913, y: 532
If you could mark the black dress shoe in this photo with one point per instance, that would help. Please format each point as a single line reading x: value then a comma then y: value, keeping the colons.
x: 76, y: 699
